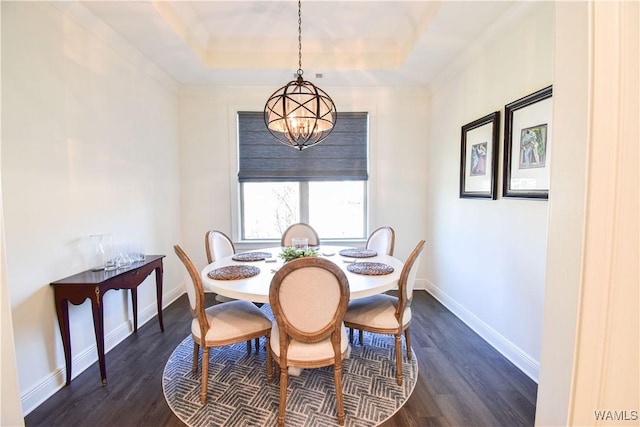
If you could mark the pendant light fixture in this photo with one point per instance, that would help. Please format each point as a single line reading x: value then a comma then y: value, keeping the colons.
x: 300, y: 114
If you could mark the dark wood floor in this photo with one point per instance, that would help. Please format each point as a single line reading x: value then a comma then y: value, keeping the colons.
x: 462, y: 380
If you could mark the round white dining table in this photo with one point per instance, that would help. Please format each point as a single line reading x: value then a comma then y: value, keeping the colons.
x: 256, y: 288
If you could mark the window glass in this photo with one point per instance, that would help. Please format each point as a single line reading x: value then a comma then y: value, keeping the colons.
x: 337, y: 209
x: 269, y: 208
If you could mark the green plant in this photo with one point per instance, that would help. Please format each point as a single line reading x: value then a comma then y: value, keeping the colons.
x: 289, y: 253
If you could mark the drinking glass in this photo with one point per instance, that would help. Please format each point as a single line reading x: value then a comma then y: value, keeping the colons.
x: 98, y: 259
x: 300, y: 243
x: 110, y: 260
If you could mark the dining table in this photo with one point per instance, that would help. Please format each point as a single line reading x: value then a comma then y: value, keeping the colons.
x: 247, y: 275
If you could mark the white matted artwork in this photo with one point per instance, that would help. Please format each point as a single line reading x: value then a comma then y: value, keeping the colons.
x: 478, y: 157
x: 527, y: 146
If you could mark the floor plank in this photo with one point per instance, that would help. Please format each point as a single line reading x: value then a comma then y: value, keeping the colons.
x: 462, y: 380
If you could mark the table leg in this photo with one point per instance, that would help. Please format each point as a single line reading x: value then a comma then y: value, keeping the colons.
x: 134, y: 302
x: 159, y: 295
x: 98, y: 326
x: 62, y: 309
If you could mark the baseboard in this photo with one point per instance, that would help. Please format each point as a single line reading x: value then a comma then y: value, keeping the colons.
x: 36, y: 395
x: 421, y: 285
x: 508, y: 349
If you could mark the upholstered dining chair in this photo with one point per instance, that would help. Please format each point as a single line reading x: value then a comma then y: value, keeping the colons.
x: 382, y: 240
x: 300, y: 230
x: 387, y: 314
x: 220, y: 324
x: 309, y: 297
x: 218, y: 245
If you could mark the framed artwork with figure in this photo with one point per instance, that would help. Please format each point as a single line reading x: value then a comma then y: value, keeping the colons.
x: 479, y: 157
x: 527, y: 143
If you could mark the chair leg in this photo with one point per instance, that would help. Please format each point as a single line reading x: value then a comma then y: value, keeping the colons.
x: 398, y: 358
x: 205, y: 373
x: 196, y: 350
x: 269, y: 361
x: 350, y: 335
x: 361, y: 336
x: 283, y: 394
x: 257, y: 344
x: 248, y: 347
x: 407, y: 338
x: 337, y: 380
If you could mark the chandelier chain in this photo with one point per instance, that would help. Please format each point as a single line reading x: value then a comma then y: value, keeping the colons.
x: 300, y: 37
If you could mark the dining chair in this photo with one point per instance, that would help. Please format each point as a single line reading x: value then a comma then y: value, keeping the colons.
x: 218, y: 245
x: 300, y: 230
x: 221, y: 324
x: 382, y: 240
x: 309, y: 297
x: 388, y: 314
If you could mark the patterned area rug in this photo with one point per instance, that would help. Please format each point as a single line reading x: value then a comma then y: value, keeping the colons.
x: 239, y: 395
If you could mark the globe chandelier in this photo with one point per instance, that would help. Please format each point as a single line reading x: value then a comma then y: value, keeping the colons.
x: 300, y: 114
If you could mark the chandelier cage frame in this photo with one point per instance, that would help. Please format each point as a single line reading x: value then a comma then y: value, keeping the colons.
x: 300, y: 114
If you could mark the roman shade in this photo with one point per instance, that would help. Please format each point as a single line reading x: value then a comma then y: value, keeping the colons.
x: 342, y: 156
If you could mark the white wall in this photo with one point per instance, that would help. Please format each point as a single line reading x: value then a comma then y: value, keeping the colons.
x: 566, y: 219
x: 89, y: 146
x: 488, y: 259
x: 398, y: 159
x: 10, y: 404
x: 591, y: 333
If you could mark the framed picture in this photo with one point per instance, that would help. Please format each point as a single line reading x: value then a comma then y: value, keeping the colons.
x: 527, y: 145
x: 479, y: 157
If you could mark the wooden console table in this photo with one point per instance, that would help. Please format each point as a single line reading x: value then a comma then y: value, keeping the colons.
x: 93, y: 284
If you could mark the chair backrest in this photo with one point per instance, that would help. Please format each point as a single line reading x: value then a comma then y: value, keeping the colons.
x: 218, y: 245
x: 299, y: 230
x: 309, y: 297
x: 195, y: 291
x: 382, y: 240
x: 408, y: 279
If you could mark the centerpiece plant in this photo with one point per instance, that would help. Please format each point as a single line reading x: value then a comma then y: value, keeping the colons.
x: 290, y: 253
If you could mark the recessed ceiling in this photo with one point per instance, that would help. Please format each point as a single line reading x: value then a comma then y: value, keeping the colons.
x: 351, y: 43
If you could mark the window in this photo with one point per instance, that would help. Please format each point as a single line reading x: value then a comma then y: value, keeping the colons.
x: 324, y: 186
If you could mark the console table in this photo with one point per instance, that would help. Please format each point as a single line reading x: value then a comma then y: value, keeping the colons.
x: 93, y: 284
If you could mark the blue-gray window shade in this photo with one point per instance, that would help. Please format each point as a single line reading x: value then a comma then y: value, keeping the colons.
x: 341, y: 156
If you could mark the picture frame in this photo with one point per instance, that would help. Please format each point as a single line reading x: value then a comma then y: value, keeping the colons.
x: 527, y: 146
x: 479, y: 157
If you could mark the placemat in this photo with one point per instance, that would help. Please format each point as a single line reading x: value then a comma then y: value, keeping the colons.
x: 251, y: 256
x: 358, y: 253
x: 370, y: 268
x: 233, y: 272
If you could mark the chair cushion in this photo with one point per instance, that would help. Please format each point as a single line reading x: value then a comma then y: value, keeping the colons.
x: 377, y: 311
x: 307, y: 352
x: 230, y: 320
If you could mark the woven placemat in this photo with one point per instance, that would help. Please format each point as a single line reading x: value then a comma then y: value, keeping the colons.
x: 358, y: 253
x: 370, y: 268
x: 251, y: 256
x: 233, y: 272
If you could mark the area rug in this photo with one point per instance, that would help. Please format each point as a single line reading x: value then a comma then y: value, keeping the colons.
x: 239, y: 395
